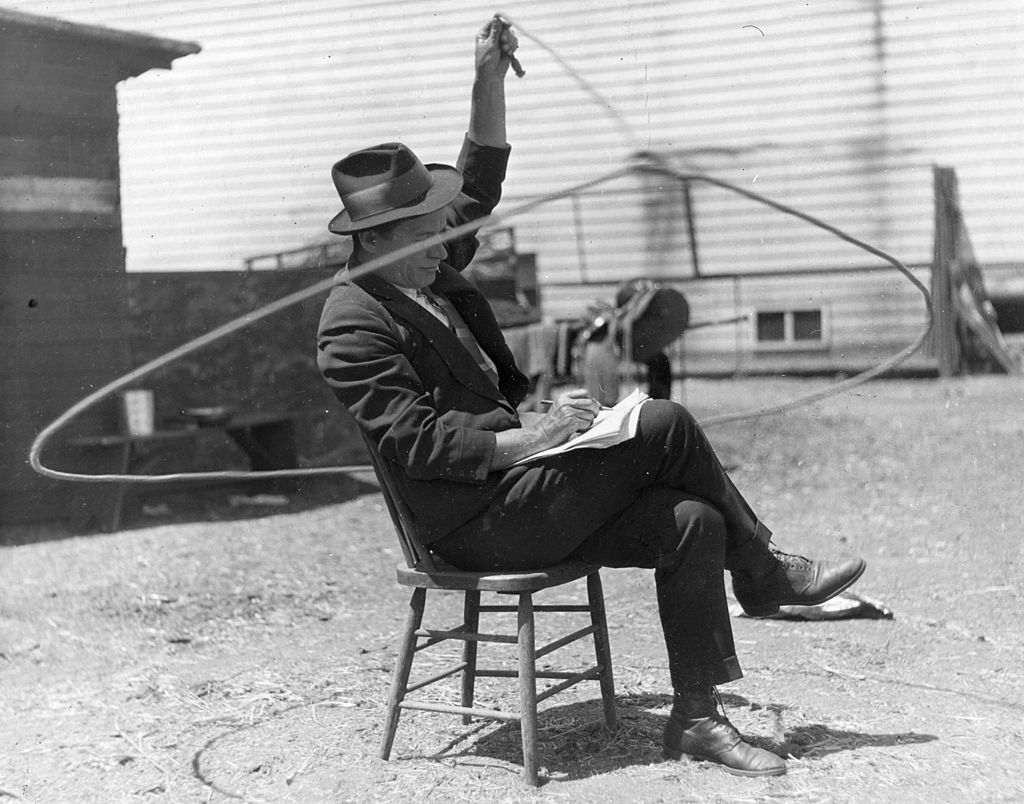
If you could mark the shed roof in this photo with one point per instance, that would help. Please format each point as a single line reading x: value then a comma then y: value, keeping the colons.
x: 137, y: 52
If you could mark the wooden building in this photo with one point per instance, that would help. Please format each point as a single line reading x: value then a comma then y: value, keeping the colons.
x: 62, y: 283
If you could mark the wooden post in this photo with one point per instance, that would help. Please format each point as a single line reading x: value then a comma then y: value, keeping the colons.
x: 691, y: 226
x: 944, y: 345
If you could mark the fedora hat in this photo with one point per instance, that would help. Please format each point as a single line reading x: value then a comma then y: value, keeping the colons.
x: 387, y: 183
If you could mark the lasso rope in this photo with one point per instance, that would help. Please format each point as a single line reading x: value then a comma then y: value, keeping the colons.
x: 35, y: 451
x: 857, y: 379
x: 659, y: 166
x: 41, y: 440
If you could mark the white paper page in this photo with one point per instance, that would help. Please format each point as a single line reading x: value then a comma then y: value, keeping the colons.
x: 612, y: 426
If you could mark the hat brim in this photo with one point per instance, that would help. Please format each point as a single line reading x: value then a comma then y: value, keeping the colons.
x: 446, y: 187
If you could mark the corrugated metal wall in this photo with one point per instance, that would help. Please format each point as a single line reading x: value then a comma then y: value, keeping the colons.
x: 838, y: 107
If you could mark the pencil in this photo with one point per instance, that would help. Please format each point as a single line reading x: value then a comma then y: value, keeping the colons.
x: 550, y: 402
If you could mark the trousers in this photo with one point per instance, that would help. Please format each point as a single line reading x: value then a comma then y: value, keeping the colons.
x: 660, y: 500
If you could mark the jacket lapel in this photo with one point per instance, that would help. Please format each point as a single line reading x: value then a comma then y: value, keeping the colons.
x: 445, y: 342
x: 479, y: 317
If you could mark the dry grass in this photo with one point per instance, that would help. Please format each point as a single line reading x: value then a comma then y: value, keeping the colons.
x: 247, y: 659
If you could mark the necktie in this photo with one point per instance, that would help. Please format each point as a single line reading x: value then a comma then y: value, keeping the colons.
x: 462, y: 332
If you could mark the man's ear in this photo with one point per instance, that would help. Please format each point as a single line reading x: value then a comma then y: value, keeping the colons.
x: 369, y: 241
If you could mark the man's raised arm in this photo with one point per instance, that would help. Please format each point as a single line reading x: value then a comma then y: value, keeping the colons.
x: 495, y: 44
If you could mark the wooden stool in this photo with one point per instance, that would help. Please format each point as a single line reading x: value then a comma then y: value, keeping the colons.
x: 424, y: 571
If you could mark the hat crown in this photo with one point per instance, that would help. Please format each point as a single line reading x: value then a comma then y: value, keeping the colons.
x: 387, y: 182
x: 372, y: 166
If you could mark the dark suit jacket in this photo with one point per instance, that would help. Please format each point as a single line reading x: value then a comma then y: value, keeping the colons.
x: 411, y: 385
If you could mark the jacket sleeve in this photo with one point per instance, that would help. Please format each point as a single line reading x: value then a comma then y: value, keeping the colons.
x: 483, y: 169
x: 360, y: 356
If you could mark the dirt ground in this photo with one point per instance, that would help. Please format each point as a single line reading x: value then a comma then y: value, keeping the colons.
x: 244, y: 655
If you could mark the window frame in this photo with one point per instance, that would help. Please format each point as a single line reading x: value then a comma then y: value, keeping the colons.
x: 789, y: 343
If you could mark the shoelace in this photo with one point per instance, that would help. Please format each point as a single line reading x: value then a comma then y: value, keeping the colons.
x: 722, y: 717
x: 718, y: 713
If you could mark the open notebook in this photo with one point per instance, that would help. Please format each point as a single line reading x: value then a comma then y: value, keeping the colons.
x: 612, y: 426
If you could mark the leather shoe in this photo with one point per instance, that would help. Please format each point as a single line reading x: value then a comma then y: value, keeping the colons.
x: 793, y: 581
x: 715, y: 739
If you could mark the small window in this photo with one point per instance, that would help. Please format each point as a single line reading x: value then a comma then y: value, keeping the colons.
x: 791, y: 329
x: 807, y: 325
x: 771, y: 326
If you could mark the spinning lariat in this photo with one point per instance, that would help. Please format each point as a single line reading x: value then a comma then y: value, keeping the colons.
x: 35, y: 452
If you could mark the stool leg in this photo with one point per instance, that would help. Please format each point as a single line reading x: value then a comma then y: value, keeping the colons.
x: 595, y: 596
x: 471, y: 618
x: 403, y: 665
x: 528, y: 688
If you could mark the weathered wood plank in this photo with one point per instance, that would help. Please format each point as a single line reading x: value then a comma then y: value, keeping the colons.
x: 59, y: 98
x: 60, y: 221
x: 943, y: 342
x: 128, y: 52
x: 38, y: 406
x: 47, y: 121
x: 31, y: 306
x: 98, y: 330
x: 67, y: 352
x: 20, y: 508
x: 65, y: 255
x: 54, y: 304
x: 51, y: 388
x: 26, y: 420
x: 60, y: 155
x: 47, y: 194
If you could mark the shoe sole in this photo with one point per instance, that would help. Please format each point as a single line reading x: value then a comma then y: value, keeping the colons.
x: 773, y: 608
x: 670, y: 753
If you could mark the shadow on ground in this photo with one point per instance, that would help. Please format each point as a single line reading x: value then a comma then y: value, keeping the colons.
x: 815, y: 741
x: 574, y: 742
x: 151, y: 506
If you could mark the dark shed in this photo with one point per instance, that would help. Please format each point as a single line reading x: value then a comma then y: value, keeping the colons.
x: 62, y: 285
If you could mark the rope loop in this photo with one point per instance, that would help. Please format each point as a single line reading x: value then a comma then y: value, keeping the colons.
x: 634, y: 166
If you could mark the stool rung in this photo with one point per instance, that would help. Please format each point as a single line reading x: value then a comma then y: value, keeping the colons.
x: 461, y: 634
x: 493, y: 714
x: 544, y: 607
x: 586, y: 675
x: 443, y: 674
x: 561, y: 643
x: 439, y: 639
x: 501, y: 673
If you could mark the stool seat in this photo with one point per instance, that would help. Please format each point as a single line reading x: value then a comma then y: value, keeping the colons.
x: 508, y: 582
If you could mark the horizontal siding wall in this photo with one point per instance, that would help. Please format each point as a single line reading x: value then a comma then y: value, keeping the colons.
x: 836, y: 108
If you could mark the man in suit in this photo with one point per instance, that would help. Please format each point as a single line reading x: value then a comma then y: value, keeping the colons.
x: 414, y: 353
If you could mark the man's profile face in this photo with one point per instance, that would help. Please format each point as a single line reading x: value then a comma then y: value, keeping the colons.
x: 418, y: 269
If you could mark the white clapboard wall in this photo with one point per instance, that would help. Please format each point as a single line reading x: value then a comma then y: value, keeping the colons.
x: 838, y: 107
